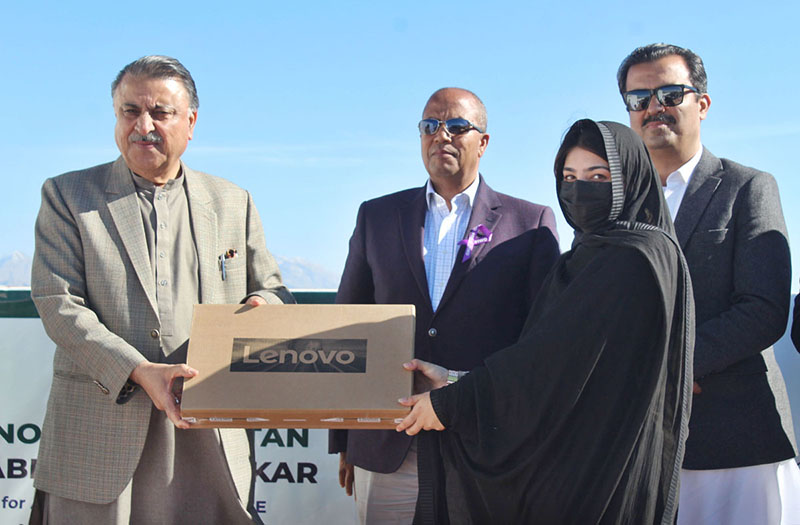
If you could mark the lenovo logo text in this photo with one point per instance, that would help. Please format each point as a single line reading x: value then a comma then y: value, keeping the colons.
x: 299, y: 355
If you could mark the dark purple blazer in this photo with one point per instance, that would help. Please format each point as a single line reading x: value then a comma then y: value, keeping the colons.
x: 485, y: 302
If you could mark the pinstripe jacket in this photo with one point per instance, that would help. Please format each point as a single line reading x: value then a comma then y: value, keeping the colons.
x: 95, y: 292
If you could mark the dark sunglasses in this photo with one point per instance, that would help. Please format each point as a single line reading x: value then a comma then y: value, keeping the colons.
x: 667, y: 96
x: 454, y: 126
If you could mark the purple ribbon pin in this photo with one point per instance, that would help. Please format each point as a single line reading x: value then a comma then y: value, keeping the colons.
x: 480, y: 234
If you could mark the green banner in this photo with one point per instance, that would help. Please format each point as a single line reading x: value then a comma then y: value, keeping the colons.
x: 16, y: 302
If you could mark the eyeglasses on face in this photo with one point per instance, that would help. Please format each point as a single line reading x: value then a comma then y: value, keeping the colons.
x: 668, y: 96
x: 454, y: 126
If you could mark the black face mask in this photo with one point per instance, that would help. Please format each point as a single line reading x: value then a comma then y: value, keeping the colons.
x: 586, y: 205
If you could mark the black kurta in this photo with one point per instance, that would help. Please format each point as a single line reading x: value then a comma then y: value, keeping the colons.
x: 584, y: 419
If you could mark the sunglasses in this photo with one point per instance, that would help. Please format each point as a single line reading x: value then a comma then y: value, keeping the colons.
x: 454, y: 126
x: 667, y: 96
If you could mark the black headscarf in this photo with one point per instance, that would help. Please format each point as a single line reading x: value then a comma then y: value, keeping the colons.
x: 583, y: 420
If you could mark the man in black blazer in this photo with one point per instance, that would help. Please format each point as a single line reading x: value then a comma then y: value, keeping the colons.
x: 729, y: 222
x: 471, y: 297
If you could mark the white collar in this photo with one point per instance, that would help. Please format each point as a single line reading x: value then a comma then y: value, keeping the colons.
x: 681, y: 176
x: 470, y: 191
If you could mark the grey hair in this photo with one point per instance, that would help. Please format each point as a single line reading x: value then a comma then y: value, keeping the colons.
x: 159, y: 66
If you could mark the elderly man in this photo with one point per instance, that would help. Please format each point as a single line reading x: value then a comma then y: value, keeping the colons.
x: 123, y: 252
x: 739, y: 463
x: 470, y: 259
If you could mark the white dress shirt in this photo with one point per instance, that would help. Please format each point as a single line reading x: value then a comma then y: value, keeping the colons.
x: 677, y: 182
x: 443, y: 229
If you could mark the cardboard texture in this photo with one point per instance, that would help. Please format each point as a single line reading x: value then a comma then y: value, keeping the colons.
x: 299, y: 366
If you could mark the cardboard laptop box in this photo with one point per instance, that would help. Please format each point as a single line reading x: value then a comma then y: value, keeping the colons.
x: 299, y: 366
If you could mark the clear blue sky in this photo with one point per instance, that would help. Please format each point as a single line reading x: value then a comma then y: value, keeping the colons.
x: 313, y: 106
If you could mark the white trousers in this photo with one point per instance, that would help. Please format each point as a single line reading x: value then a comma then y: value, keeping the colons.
x: 761, y: 494
x: 388, y: 498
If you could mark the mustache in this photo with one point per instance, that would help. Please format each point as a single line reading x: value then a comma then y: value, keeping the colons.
x: 661, y: 117
x: 150, y: 137
x: 447, y: 149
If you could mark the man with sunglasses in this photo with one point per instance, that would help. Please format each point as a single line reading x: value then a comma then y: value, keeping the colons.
x: 470, y: 259
x: 739, y: 463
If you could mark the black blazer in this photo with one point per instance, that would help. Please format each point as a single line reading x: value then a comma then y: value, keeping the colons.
x: 485, y: 302
x: 731, y: 228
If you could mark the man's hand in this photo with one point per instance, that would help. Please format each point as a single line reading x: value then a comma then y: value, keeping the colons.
x: 346, y: 475
x: 696, y: 388
x: 157, y: 380
x: 428, y: 376
x: 255, y: 300
x: 421, y: 417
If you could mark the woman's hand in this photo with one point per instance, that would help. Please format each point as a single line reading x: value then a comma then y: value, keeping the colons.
x: 428, y: 377
x: 421, y: 417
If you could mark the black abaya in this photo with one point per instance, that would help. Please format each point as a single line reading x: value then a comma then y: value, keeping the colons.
x: 583, y: 420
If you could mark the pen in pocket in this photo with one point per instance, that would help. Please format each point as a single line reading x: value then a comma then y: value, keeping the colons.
x: 230, y: 254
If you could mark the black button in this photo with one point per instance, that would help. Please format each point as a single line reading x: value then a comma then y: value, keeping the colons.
x: 432, y: 332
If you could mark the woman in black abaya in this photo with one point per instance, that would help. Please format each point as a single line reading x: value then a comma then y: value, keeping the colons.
x: 583, y: 420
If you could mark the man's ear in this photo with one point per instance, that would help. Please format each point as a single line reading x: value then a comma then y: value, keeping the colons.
x: 705, y: 102
x: 484, y: 143
x: 192, y: 122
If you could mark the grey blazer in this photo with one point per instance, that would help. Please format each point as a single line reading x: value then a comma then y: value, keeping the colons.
x: 95, y: 293
x: 731, y: 228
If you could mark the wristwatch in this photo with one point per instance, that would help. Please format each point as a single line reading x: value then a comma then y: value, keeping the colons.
x: 454, y: 375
